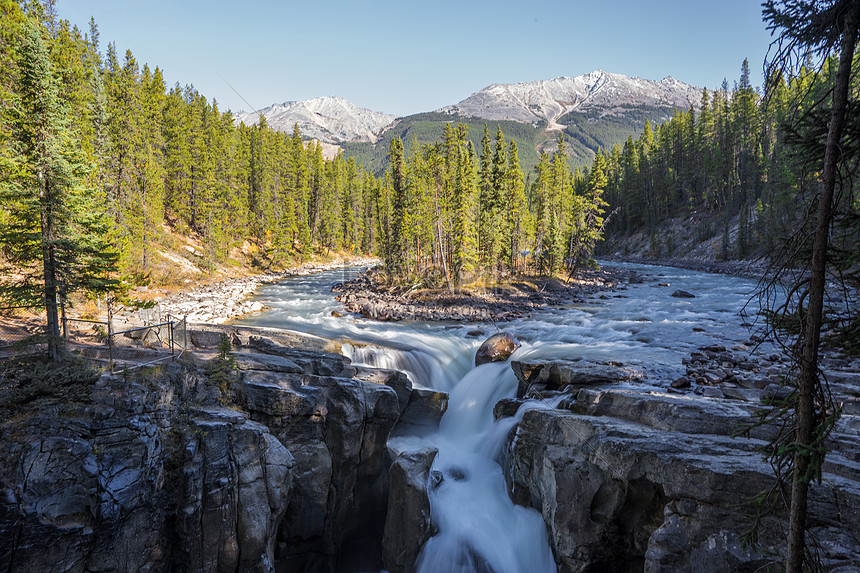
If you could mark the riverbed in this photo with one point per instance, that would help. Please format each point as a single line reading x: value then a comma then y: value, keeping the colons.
x: 641, y: 326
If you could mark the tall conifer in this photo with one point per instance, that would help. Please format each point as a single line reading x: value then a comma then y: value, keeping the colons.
x: 56, y: 235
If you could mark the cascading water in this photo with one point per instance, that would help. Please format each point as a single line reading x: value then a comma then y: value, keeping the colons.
x: 422, y: 368
x: 479, y: 528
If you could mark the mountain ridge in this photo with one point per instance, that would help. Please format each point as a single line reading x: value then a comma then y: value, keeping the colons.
x: 594, y: 110
x: 550, y: 100
x: 330, y: 119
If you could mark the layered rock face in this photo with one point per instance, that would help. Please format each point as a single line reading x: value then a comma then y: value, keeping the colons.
x: 132, y: 482
x: 630, y: 481
x: 283, y: 466
x: 407, y: 524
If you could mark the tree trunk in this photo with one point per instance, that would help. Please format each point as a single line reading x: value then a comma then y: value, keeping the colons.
x: 809, y: 358
x: 49, y: 267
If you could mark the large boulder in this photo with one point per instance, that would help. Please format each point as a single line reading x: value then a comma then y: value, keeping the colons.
x: 497, y: 348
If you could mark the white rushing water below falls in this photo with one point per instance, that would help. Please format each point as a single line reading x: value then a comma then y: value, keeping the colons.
x: 640, y: 325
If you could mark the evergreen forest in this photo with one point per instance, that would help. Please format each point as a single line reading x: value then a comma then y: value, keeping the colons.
x: 743, y: 159
x: 136, y: 163
x: 142, y: 162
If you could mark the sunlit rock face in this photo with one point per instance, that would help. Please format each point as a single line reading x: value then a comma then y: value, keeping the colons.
x: 646, y: 481
x: 283, y: 467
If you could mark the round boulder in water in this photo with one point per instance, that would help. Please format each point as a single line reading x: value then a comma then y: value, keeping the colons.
x: 683, y: 294
x: 497, y: 348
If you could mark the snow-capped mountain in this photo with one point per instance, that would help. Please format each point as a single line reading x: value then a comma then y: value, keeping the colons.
x: 599, y: 94
x: 328, y: 119
x: 549, y: 100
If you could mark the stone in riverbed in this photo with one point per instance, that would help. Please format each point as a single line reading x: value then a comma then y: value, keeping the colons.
x: 506, y: 407
x: 683, y: 294
x: 497, y: 348
x: 558, y: 374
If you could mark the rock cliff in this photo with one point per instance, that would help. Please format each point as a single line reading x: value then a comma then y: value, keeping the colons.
x: 277, y: 460
x: 277, y: 463
x: 631, y: 481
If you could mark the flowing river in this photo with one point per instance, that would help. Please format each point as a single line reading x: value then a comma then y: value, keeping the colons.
x: 640, y: 325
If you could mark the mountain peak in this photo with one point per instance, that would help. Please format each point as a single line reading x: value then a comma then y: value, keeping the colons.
x: 549, y: 100
x: 330, y: 119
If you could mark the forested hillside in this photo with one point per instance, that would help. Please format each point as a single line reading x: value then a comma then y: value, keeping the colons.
x: 160, y: 161
x: 156, y: 162
x: 427, y: 129
x: 474, y: 199
x: 585, y: 132
x: 741, y: 169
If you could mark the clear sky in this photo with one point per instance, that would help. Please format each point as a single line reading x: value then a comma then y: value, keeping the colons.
x: 405, y: 56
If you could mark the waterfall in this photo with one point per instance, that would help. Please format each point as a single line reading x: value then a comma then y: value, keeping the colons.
x: 422, y: 369
x: 479, y: 527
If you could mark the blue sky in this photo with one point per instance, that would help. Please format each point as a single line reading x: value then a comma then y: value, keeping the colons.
x: 405, y: 57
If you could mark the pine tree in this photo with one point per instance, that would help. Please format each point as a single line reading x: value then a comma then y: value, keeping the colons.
x: 542, y: 206
x: 806, y: 27
x: 587, y: 216
x: 516, y: 226
x: 485, y: 200
x: 56, y: 236
x: 397, y: 249
x: 465, y: 191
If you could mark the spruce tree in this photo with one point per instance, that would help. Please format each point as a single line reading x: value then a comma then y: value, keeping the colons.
x: 465, y: 192
x: 396, y: 254
x: 808, y: 27
x: 516, y: 223
x: 55, y: 239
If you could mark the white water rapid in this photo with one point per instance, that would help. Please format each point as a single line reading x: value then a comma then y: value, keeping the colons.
x: 641, y: 325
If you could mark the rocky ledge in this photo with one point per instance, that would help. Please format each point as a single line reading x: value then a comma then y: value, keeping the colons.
x: 635, y: 480
x: 279, y: 461
x: 276, y: 461
x: 372, y: 296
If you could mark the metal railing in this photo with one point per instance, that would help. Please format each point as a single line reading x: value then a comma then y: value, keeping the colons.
x: 20, y: 334
x: 126, y: 349
x: 121, y: 350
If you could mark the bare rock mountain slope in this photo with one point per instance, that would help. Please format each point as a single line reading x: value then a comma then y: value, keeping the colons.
x: 549, y: 100
x: 328, y: 119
